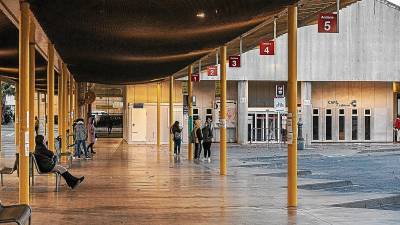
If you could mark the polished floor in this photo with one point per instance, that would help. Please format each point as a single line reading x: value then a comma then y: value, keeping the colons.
x: 140, y: 185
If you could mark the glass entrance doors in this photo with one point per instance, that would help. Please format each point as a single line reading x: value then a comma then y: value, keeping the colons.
x: 265, y: 127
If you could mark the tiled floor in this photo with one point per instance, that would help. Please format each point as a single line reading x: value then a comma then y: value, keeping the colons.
x: 141, y: 185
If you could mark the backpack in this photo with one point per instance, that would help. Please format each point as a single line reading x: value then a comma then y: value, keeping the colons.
x: 177, y: 135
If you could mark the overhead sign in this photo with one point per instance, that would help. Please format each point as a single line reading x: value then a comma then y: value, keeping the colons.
x: 234, y: 61
x: 267, y: 47
x: 280, y: 104
x: 327, y: 23
x: 212, y: 71
x: 280, y: 91
x: 185, y: 88
x: 195, y: 77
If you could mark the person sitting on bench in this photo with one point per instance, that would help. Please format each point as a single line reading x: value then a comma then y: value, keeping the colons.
x: 47, y: 162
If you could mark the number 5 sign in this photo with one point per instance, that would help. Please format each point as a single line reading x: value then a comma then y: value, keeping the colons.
x: 267, y: 47
x: 327, y: 23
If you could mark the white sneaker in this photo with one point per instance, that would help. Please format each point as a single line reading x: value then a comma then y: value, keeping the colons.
x: 209, y: 160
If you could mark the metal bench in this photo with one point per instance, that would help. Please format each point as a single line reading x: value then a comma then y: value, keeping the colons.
x: 19, y: 214
x: 67, y: 154
x: 8, y: 170
x: 35, y: 165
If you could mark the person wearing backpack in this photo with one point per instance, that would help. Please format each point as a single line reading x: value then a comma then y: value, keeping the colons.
x: 198, y: 137
x: 207, y: 140
x: 176, y: 131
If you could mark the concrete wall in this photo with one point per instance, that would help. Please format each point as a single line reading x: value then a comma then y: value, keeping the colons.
x: 366, y: 49
x: 377, y: 96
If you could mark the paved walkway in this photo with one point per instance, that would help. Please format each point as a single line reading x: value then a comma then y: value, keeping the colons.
x: 140, y: 185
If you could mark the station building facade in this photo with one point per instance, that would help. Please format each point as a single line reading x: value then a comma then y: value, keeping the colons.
x: 347, y: 89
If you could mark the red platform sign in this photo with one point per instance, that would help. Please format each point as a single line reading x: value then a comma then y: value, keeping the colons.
x: 234, y: 61
x: 327, y: 23
x: 195, y: 77
x: 267, y: 47
x: 212, y: 71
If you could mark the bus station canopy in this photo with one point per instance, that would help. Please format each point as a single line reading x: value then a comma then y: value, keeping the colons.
x: 126, y: 42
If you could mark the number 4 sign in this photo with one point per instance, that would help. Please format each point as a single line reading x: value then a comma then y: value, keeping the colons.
x: 267, y: 47
x: 327, y: 23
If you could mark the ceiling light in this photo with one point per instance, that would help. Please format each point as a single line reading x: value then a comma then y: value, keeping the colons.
x: 200, y: 15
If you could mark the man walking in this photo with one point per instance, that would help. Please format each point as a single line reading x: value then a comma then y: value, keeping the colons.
x: 81, y: 137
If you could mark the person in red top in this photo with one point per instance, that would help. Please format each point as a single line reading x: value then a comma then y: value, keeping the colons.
x: 396, y: 125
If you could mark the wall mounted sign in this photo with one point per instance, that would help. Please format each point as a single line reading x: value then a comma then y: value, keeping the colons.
x: 267, y: 47
x: 184, y: 85
x: 327, y: 23
x: 280, y: 91
x: 336, y: 103
x: 212, y: 71
x: 234, y: 61
x: 195, y: 77
x: 217, y: 88
x: 280, y: 104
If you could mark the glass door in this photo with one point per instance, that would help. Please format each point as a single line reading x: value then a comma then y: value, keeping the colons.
x: 261, y: 130
x: 273, y: 127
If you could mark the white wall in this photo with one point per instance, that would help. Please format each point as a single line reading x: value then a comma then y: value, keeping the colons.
x: 366, y: 49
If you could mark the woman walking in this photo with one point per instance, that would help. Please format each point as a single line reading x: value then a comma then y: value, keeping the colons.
x: 207, y: 140
x: 91, y: 135
x: 198, y: 137
x: 176, y: 131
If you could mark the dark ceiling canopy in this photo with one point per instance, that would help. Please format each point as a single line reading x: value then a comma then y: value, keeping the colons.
x: 128, y: 41
x: 9, y: 62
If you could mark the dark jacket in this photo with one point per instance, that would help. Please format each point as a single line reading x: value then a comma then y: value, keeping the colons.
x: 207, y: 134
x: 177, y: 132
x: 44, y: 158
x: 199, y: 135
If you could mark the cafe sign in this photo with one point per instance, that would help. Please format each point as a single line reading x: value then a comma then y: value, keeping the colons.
x: 336, y: 103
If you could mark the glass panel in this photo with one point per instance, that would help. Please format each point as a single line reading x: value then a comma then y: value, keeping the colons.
x: 328, y: 123
x: 315, y: 127
x: 342, y: 135
x: 367, y: 128
x: 354, y: 127
x: 259, y: 128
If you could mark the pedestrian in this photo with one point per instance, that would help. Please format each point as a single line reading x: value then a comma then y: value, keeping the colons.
x: 36, y: 125
x: 81, y: 137
x: 47, y: 162
x: 91, y: 135
x: 197, y: 137
x: 109, y: 125
x: 176, y: 131
x: 207, y: 140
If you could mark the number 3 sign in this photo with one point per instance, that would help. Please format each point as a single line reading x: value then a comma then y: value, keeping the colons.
x: 234, y: 61
x: 327, y: 23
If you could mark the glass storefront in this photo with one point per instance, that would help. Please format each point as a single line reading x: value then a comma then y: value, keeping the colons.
x: 267, y: 126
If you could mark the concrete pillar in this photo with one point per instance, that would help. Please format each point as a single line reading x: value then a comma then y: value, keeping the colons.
x: 243, y: 108
x: 306, y: 111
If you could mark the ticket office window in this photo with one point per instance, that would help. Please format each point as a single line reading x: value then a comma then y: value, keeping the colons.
x: 342, y: 125
x: 196, y: 115
x: 367, y: 123
x: 328, y: 125
x: 315, y: 124
x: 209, y: 116
x: 354, y: 124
